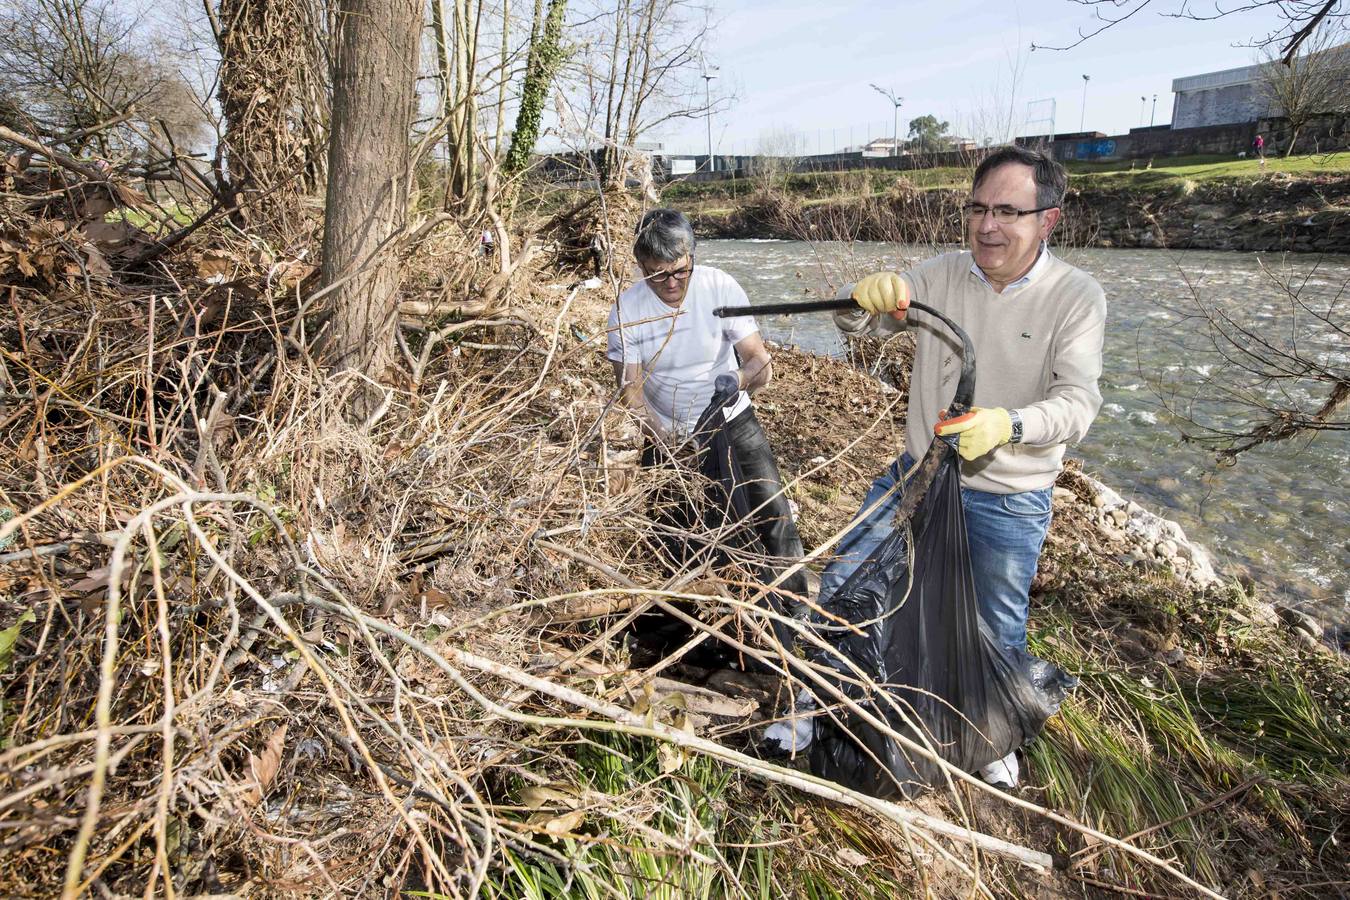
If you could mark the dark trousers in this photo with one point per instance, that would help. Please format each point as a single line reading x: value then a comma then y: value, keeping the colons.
x: 754, y: 497
x: 771, y: 514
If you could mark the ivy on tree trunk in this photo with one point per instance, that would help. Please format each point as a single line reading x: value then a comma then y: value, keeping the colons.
x: 545, y: 58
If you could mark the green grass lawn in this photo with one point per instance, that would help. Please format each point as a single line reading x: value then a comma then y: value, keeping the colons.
x: 1201, y: 168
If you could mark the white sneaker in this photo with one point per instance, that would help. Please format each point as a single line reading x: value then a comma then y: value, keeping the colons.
x: 1002, y: 773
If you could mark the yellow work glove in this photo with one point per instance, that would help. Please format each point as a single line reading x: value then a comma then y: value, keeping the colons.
x: 883, y: 292
x: 981, y: 430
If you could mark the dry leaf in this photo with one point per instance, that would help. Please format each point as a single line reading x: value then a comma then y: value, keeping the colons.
x: 93, y: 580
x: 537, y: 795
x: 670, y: 757
x: 850, y: 857
x: 436, y: 598
x: 558, y: 825
x: 216, y: 265
x: 263, y: 769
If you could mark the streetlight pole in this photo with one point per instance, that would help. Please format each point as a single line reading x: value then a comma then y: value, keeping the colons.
x: 707, y: 96
x: 1155, y: 111
x: 1082, y: 117
x: 1142, y: 101
x: 895, y: 122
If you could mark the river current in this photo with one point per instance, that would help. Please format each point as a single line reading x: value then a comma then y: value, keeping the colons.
x: 1280, y: 514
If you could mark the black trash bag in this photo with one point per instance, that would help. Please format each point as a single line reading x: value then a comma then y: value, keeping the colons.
x: 945, y: 683
x: 745, y: 498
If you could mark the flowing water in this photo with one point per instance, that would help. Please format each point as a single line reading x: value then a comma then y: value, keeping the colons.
x: 1280, y: 514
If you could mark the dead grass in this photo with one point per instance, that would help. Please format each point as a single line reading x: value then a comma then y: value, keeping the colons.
x: 265, y: 651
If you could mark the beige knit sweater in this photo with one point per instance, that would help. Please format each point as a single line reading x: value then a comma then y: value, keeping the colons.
x: 1038, y: 350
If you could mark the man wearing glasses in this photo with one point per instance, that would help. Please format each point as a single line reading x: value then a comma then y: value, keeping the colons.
x: 1037, y: 325
x: 671, y: 354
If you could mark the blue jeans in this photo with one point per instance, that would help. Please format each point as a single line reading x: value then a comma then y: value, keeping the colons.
x: 1005, y: 532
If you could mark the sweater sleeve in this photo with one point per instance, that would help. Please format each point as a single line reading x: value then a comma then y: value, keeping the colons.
x: 1073, y: 398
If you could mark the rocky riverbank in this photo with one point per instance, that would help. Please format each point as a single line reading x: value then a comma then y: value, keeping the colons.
x: 1124, y: 539
x: 1272, y: 213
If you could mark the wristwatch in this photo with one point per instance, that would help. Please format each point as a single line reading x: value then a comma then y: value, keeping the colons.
x: 1016, y: 418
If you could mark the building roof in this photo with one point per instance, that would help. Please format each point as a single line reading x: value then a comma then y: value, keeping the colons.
x: 1224, y: 78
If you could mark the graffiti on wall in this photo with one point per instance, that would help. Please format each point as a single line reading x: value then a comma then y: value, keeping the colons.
x: 1095, y: 149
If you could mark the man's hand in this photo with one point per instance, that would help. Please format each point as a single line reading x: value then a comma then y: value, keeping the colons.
x: 727, y: 382
x: 883, y: 292
x: 981, y: 430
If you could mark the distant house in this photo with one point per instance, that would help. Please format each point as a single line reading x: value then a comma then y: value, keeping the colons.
x: 883, y: 147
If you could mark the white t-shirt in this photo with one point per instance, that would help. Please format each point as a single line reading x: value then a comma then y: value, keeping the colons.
x: 681, y: 349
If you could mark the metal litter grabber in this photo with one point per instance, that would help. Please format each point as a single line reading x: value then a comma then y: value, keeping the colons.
x: 961, y: 403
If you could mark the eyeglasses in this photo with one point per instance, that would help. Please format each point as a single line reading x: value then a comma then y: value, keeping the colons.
x: 1004, y: 215
x: 677, y: 274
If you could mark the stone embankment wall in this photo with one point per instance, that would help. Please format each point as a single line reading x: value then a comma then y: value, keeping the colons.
x: 1274, y: 213
x: 1278, y: 213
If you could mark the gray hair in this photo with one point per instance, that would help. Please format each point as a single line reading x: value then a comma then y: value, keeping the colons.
x: 1051, y: 179
x: 664, y: 235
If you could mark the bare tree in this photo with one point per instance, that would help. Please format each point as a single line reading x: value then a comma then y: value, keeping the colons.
x: 68, y: 65
x: 776, y: 156
x: 374, y: 90
x: 456, y: 40
x: 643, y: 68
x: 1314, y: 83
x: 1299, y: 18
x: 1273, y: 371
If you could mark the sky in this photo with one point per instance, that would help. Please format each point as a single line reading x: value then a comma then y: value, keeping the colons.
x: 804, y: 69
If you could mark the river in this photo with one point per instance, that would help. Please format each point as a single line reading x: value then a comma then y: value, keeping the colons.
x: 1280, y: 514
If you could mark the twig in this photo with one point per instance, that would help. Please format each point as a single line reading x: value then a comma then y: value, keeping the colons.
x: 621, y: 720
x: 64, y: 160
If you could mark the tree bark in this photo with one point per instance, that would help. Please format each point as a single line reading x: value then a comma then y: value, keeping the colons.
x: 374, y: 92
x: 263, y: 60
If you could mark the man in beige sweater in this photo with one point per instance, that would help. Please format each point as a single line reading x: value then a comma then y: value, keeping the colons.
x: 1037, y: 325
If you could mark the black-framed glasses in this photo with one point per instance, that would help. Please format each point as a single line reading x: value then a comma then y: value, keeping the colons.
x: 677, y: 274
x: 1003, y: 214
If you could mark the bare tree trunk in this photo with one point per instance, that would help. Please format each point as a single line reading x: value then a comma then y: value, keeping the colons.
x: 607, y: 153
x: 501, y: 88
x: 461, y: 105
x: 1293, y: 139
x: 263, y: 57
x: 374, y: 85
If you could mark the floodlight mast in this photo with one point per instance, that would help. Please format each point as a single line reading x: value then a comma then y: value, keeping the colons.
x: 895, y: 124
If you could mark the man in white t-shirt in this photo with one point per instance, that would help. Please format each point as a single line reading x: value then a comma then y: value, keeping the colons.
x: 671, y: 355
